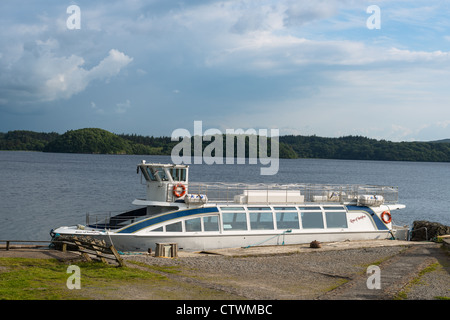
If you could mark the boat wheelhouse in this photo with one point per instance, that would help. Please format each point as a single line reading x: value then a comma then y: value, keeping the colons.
x: 202, y: 216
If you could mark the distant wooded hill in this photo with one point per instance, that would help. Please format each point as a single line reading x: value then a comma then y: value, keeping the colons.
x: 94, y: 140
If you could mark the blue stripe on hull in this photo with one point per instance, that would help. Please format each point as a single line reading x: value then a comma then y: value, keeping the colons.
x: 379, y: 224
x: 168, y: 216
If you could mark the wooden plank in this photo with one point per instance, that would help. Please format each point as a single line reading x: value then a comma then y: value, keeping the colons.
x: 87, y: 248
x: 174, y: 250
x: 161, y: 249
x: 111, y: 257
x: 99, y: 254
x: 116, y: 254
x: 83, y: 253
x: 100, y: 247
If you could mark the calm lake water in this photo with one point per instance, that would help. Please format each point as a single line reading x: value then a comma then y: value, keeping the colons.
x: 41, y: 191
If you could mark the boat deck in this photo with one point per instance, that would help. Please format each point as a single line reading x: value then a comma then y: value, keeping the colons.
x: 290, y: 193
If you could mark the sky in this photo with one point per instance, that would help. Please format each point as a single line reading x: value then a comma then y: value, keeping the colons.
x: 148, y: 67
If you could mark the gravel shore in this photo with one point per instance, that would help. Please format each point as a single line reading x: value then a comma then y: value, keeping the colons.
x: 305, y: 273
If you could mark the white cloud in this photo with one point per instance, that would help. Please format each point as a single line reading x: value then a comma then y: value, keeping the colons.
x: 302, y: 12
x: 39, y: 75
x: 69, y: 77
x: 110, y: 66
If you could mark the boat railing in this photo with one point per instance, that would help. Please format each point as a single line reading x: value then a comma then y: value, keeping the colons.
x: 113, y: 220
x: 289, y: 193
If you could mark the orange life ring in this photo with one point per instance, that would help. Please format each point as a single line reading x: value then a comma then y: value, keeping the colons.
x: 383, y: 217
x: 175, y: 190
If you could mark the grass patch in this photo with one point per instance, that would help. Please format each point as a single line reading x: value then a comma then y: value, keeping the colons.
x: 338, y: 283
x: 165, y: 269
x: 45, y: 279
x: 403, y: 295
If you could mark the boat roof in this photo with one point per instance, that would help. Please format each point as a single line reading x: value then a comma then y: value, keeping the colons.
x: 162, y: 165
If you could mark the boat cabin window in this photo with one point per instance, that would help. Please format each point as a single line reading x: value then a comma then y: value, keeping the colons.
x: 211, y: 223
x: 285, y: 208
x: 162, y: 174
x: 287, y: 220
x: 151, y: 173
x: 234, y: 221
x: 311, y: 220
x: 261, y: 220
x: 193, y: 225
x: 333, y: 208
x: 309, y: 208
x: 174, y: 227
x: 336, y: 219
x: 178, y: 174
x: 165, y: 174
x: 232, y: 208
x: 154, y: 172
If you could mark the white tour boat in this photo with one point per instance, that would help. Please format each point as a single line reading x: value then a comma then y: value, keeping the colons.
x: 201, y: 216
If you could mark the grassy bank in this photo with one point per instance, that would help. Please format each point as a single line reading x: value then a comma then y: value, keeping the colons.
x: 42, y: 279
x: 46, y: 279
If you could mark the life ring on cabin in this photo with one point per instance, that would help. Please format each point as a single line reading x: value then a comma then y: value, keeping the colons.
x: 175, y: 190
x: 383, y: 217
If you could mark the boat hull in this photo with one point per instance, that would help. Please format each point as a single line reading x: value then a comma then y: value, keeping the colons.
x: 139, y: 243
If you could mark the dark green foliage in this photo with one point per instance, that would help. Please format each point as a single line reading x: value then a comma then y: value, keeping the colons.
x: 88, y: 141
x: 25, y: 140
x: 93, y: 140
x: 362, y: 148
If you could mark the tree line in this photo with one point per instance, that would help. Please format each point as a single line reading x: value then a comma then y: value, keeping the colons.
x: 94, y: 140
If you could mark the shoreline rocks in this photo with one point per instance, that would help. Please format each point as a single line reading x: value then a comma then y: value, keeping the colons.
x: 426, y: 230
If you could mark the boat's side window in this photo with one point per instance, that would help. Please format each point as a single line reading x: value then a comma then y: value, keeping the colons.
x: 151, y: 173
x: 178, y: 174
x: 311, y: 220
x: 261, y: 220
x: 211, y: 223
x: 309, y: 208
x: 162, y: 174
x: 284, y: 208
x: 333, y: 208
x: 160, y: 229
x: 193, y: 225
x: 232, y: 208
x: 234, y: 221
x: 174, y: 227
x: 336, y: 219
x: 287, y: 220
